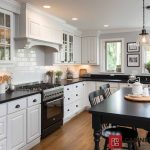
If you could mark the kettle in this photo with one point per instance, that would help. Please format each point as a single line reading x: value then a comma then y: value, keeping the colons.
x: 137, y: 88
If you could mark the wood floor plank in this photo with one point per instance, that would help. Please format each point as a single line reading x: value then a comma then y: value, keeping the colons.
x: 77, y: 134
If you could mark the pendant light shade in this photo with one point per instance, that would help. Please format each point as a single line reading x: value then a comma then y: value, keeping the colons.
x: 144, y: 38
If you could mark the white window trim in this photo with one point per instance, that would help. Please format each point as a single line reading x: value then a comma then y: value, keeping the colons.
x: 102, y: 54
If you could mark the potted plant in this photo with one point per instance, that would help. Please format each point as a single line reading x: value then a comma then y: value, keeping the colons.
x: 147, y: 66
x: 58, y: 75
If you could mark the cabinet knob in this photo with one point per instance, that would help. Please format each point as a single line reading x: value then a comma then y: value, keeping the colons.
x: 68, y: 98
x: 76, y: 105
x: 17, y: 106
x: 54, y: 119
x: 68, y: 89
x: 76, y: 94
x: 35, y: 100
x: 76, y: 86
x: 68, y: 110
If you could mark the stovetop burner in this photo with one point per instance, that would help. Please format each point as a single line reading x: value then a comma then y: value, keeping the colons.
x: 39, y: 86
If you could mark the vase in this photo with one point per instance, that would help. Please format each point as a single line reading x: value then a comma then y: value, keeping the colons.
x: 3, y: 88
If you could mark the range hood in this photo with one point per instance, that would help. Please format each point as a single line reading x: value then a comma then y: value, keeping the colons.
x: 27, y: 43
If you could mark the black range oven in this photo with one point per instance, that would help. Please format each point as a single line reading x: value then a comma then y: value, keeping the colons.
x: 52, y: 110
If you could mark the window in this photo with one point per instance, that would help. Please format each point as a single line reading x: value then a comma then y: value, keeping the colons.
x: 146, y: 57
x: 113, y: 55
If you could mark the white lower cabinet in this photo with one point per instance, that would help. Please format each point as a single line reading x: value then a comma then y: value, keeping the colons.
x: 16, y: 130
x: 2, y: 128
x: 20, y: 123
x: 3, y: 144
x: 33, y: 122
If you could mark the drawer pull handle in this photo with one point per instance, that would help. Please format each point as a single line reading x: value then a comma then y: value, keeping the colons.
x: 68, y: 110
x: 35, y: 100
x: 76, y: 94
x: 76, y: 105
x: 17, y: 106
x: 76, y: 86
x: 68, y: 98
x: 67, y: 89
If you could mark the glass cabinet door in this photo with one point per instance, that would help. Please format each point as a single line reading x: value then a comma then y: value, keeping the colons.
x: 65, y: 46
x: 5, y: 36
x: 70, y: 48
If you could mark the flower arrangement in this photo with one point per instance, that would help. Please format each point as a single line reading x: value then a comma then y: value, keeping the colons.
x: 4, y: 77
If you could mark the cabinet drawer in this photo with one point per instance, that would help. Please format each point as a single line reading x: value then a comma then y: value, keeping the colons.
x: 3, y: 144
x: 68, y: 89
x: 17, y: 105
x: 2, y: 128
x: 68, y: 99
x: 34, y: 100
x: 3, y: 109
x: 68, y: 110
x: 76, y: 106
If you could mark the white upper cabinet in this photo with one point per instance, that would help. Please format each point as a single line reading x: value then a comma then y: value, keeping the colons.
x: 90, y: 50
x: 6, y: 36
x: 70, y: 52
x: 77, y: 50
x: 35, y: 24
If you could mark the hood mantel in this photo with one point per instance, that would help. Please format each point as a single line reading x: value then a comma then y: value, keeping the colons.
x: 27, y: 43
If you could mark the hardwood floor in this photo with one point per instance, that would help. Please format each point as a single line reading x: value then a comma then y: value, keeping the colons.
x: 77, y: 134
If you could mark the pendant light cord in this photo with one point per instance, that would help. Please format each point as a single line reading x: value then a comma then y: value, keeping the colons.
x: 143, y: 15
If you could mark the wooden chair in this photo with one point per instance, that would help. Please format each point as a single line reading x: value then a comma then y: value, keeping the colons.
x: 97, y: 97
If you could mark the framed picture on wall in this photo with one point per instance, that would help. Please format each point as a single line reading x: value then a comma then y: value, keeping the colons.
x: 132, y: 47
x: 133, y: 60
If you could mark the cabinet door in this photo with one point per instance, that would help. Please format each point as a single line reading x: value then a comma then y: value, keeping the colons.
x: 84, y: 51
x: 3, y: 144
x: 33, y: 123
x: 92, y: 50
x: 16, y: 130
x: 2, y: 128
x: 77, y: 50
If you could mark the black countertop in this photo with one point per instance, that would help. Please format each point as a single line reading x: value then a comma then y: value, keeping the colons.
x: 17, y: 94
x: 9, y: 96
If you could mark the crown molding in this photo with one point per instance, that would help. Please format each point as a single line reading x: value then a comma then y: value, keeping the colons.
x: 10, y: 5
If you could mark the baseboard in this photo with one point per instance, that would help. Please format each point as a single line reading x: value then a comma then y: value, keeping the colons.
x: 31, y: 144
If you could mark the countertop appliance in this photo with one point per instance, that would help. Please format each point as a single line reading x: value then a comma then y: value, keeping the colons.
x: 51, y: 106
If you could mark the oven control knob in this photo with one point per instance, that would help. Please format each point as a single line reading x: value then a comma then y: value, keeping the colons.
x: 54, y: 119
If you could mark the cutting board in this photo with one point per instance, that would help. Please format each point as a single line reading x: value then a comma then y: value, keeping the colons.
x: 138, y: 98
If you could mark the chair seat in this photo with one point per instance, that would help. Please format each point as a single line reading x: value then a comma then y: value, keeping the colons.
x: 125, y: 132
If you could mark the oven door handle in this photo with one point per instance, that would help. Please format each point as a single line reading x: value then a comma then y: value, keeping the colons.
x: 47, y: 103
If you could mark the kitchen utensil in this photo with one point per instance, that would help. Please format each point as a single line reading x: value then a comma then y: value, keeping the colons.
x: 137, y: 88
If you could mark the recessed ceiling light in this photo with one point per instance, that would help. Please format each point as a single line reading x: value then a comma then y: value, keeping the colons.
x: 46, y: 6
x: 106, y: 25
x: 74, y: 19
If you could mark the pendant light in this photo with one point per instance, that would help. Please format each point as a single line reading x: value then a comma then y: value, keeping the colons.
x: 143, y: 38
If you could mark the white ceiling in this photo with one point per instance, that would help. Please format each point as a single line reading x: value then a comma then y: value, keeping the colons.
x: 93, y: 14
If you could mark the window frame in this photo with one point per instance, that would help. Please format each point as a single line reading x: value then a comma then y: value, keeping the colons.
x: 103, y: 54
x: 143, y: 60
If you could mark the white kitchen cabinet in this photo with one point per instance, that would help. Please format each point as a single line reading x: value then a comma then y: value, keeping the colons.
x: 72, y: 100
x: 3, y: 144
x: 90, y: 50
x: 16, y: 130
x: 77, y: 50
x: 123, y: 85
x: 2, y: 128
x: 6, y: 37
x: 33, y: 122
